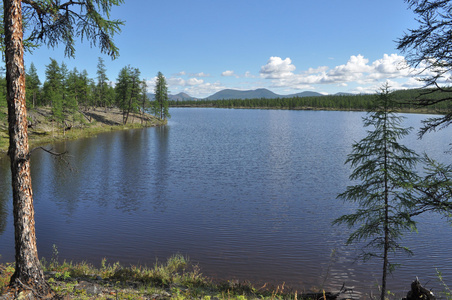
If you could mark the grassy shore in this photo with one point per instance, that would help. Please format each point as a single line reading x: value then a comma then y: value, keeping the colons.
x: 43, y: 129
x: 177, y: 278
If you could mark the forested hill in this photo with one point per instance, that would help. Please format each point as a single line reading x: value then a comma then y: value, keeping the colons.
x: 255, y: 94
x: 327, y: 102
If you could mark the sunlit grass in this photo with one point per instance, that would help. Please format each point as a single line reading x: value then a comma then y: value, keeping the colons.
x: 177, y: 278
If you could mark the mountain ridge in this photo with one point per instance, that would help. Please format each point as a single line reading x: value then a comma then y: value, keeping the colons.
x: 257, y: 93
x: 227, y: 94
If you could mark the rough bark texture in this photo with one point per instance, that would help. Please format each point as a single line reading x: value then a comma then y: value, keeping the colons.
x: 28, y: 275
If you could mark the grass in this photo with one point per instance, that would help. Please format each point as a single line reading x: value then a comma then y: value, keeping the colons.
x: 177, y: 278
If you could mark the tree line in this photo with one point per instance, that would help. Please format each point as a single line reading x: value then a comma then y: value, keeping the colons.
x: 68, y: 92
x: 404, y: 101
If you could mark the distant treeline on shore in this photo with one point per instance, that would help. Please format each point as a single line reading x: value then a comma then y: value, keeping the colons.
x: 407, y: 101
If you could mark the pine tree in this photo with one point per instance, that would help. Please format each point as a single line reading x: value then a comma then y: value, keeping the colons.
x: 384, y: 168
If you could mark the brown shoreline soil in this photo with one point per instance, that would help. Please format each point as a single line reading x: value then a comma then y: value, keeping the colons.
x: 43, y: 129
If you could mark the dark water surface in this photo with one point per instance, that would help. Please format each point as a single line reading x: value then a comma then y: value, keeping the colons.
x: 248, y: 194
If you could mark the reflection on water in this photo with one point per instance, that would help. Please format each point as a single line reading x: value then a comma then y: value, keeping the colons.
x: 249, y: 194
x: 5, y: 191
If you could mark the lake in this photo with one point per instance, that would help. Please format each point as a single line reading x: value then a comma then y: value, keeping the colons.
x: 247, y: 194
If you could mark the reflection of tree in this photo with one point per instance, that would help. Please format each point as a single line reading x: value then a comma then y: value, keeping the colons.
x: 127, y: 170
x: 161, y: 170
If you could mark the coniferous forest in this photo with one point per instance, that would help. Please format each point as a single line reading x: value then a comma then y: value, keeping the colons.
x: 408, y: 101
x: 67, y: 92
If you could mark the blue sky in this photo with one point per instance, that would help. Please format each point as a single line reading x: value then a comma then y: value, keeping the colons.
x: 287, y: 46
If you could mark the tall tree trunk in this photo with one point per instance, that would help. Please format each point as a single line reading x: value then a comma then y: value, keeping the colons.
x: 386, y: 212
x: 28, y: 275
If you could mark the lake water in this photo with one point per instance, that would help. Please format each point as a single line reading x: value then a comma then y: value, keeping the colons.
x: 247, y: 194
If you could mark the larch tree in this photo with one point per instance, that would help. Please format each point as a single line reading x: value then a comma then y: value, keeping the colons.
x: 428, y: 48
x: 385, y: 171
x: 128, y: 87
x: 51, y: 23
x: 144, y: 99
x: 33, y: 83
x: 102, y: 84
x: 161, y: 106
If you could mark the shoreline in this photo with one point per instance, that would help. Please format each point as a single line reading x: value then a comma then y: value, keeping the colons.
x: 43, y: 130
x: 177, y: 278
x: 312, y: 108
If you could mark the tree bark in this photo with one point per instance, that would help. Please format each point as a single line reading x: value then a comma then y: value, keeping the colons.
x: 28, y: 275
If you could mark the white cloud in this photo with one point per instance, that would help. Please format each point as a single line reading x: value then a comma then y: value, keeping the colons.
x: 201, y: 74
x: 205, y: 89
x: 249, y: 75
x: 177, y: 81
x: 357, y: 70
x: 181, y: 73
x: 228, y: 73
x: 194, y: 81
x: 277, y: 68
x: 172, y: 81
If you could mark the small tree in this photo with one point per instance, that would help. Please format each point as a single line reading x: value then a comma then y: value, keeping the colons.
x: 385, y: 171
x: 33, y: 86
x: 102, y: 84
x: 161, y: 107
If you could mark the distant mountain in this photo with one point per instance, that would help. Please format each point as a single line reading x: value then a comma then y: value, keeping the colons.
x: 237, y: 94
x: 303, y: 94
x: 180, y: 97
x: 253, y: 94
x: 177, y: 97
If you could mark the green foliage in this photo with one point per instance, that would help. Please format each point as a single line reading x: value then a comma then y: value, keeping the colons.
x: 128, y: 91
x: 102, y: 89
x: 383, y: 169
x: 428, y: 46
x: 447, y: 292
x: 33, y: 86
x: 6, y: 271
x: 54, y: 22
x: 2, y: 91
x: 433, y: 192
x: 161, y: 104
x: 177, y: 278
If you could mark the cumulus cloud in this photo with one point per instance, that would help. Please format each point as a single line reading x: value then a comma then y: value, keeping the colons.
x: 228, y: 73
x: 194, y: 81
x: 357, y: 70
x: 277, y: 68
x: 177, y: 81
x: 205, y: 89
x: 195, y: 87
